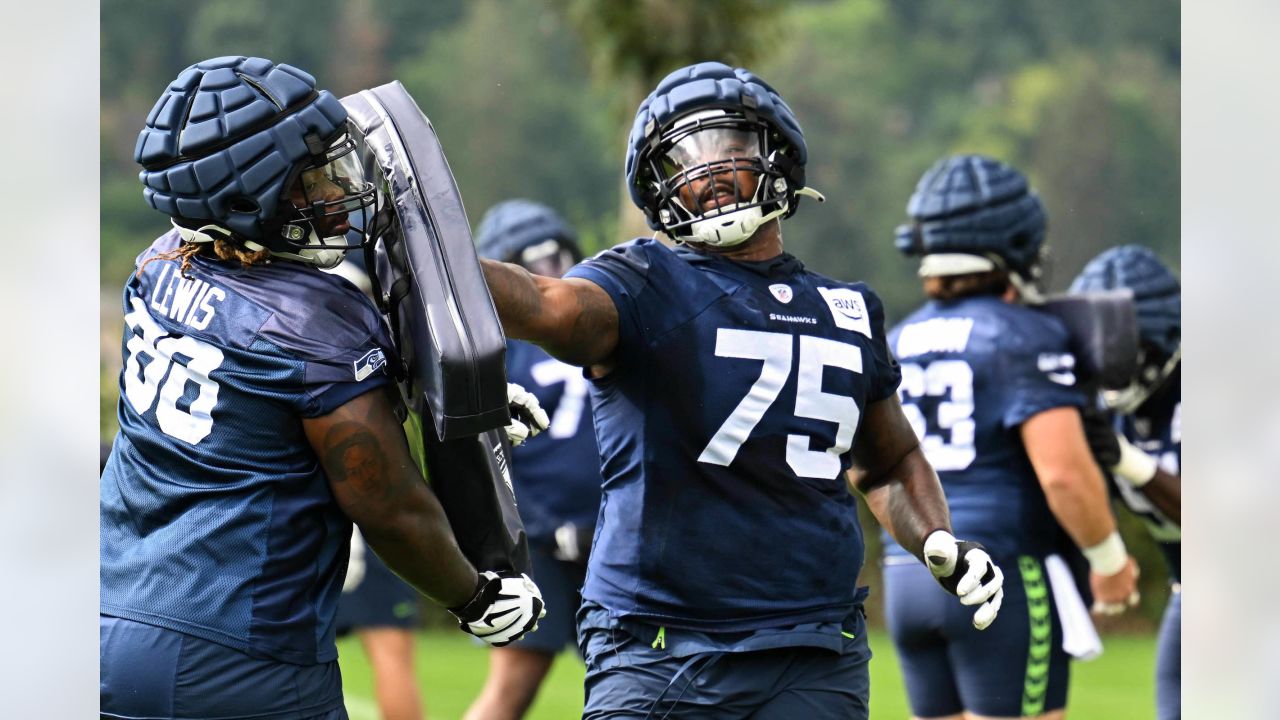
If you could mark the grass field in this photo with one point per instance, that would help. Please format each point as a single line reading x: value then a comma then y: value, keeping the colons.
x: 1117, y: 686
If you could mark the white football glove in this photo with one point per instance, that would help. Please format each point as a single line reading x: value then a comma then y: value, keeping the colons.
x: 966, y: 570
x: 527, y: 416
x: 505, y: 607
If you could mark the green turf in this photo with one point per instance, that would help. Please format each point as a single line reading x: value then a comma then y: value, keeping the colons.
x: 1117, y: 686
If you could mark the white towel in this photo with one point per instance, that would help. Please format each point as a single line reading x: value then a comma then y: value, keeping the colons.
x: 1079, y: 637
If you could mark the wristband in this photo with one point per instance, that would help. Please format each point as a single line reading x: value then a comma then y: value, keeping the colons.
x: 1107, y: 557
x: 1135, y: 467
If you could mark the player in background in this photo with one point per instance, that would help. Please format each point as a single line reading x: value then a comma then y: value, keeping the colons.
x: 256, y: 418
x: 1145, y: 456
x: 556, y: 475
x: 989, y: 386
x: 732, y: 388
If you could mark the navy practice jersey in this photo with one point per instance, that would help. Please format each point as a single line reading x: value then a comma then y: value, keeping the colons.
x: 556, y: 474
x: 724, y: 431
x: 973, y: 370
x: 1157, y: 430
x: 216, y: 518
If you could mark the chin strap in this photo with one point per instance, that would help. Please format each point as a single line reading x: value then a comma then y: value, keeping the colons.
x: 737, y: 226
x: 811, y: 193
x: 1028, y: 289
x: 202, y: 234
x: 326, y: 257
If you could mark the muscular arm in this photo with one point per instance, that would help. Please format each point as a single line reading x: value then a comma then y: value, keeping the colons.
x: 891, y: 472
x: 1072, y: 482
x: 574, y: 320
x: 1165, y: 492
x: 363, y: 450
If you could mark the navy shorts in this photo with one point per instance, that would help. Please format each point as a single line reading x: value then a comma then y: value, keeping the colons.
x: 1015, y: 667
x: 561, y: 583
x: 630, y: 678
x: 1169, y: 661
x: 381, y: 599
x: 149, y: 672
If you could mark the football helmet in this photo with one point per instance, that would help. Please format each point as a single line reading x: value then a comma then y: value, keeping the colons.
x: 528, y: 234
x: 713, y: 154
x: 970, y: 213
x: 1157, y: 299
x: 240, y: 149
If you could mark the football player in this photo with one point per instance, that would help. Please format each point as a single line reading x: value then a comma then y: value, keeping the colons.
x: 1145, y: 456
x: 556, y: 475
x: 989, y: 385
x: 732, y: 388
x: 255, y: 422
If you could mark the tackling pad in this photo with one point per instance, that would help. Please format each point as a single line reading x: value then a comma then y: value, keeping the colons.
x: 1104, y: 334
x: 431, y: 286
x: 427, y: 280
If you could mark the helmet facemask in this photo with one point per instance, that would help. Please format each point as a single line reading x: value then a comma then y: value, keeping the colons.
x: 1154, y: 369
x: 329, y: 207
x: 716, y: 179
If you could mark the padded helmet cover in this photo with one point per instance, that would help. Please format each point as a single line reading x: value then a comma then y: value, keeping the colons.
x: 224, y: 139
x: 975, y: 205
x: 513, y: 225
x: 1157, y: 294
x: 706, y: 86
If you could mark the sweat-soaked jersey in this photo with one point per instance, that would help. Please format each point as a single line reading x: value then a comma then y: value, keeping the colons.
x: 725, y: 429
x: 216, y: 517
x: 973, y: 370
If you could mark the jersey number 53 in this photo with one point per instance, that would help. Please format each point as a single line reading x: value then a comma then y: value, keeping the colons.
x: 937, y: 380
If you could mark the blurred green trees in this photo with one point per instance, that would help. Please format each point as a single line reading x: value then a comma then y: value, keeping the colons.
x: 534, y: 98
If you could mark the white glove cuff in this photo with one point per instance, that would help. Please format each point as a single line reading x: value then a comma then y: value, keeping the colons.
x: 940, y: 553
x: 1107, y: 557
x: 1135, y: 467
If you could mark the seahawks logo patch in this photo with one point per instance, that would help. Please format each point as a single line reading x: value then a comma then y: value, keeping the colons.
x: 371, y: 362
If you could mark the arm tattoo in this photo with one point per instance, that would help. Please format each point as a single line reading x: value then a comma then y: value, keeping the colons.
x: 354, y: 460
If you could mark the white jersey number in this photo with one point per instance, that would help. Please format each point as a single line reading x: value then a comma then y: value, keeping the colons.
x: 775, y: 349
x: 161, y: 365
x: 568, y: 414
x: 938, y: 379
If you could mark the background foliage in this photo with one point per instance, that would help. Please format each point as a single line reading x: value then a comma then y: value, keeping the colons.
x: 534, y: 98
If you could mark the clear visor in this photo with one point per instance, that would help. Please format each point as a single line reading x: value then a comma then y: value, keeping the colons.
x: 331, y: 195
x: 708, y: 146
x: 338, y: 182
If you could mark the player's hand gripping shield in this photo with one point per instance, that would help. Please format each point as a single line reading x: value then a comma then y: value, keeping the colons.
x: 427, y: 281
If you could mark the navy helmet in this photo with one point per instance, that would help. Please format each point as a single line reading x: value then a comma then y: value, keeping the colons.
x: 529, y: 234
x: 239, y: 148
x: 707, y: 120
x: 970, y: 213
x: 1157, y: 300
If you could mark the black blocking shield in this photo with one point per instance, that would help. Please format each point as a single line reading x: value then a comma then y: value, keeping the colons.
x: 483, y: 515
x: 428, y: 283
x: 446, y: 330
x: 1104, y: 334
